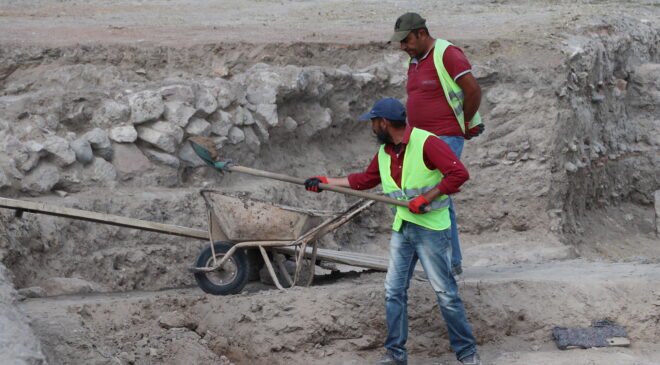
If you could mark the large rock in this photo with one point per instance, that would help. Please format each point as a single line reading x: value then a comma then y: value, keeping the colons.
x: 242, y: 116
x: 178, y: 112
x: 24, y: 158
x: 169, y: 128
x: 110, y: 113
x: 221, y: 123
x: 236, y: 135
x: 319, y: 118
x: 162, y: 158
x: 102, y: 171
x: 83, y: 150
x: 60, y: 286
x: 129, y: 160
x: 262, y: 86
x: 180, y: 93
x: 124, y: 134
x: 198, y: 127
x: 158, y: 139
x: 60, y: 149
x: 251, y: 140
x: 98, y: 139
x: 41, y: 179
x: 268, y: 114
x: 163, y: 135
x: 146, y: 106
x: 227, y: 93
x: 205, y: 101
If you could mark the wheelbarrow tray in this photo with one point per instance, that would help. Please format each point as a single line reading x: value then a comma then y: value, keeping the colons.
x: 240, y: 219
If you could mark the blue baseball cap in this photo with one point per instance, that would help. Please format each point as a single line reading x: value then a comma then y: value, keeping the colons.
x: 388, y: 108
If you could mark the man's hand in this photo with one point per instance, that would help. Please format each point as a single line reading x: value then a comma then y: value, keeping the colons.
x: 312, y: 184
x: 474, y: 131
x: 418, y: 205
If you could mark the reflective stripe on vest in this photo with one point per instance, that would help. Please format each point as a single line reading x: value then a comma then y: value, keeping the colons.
x: 453, y: 92
x: 416, y: 179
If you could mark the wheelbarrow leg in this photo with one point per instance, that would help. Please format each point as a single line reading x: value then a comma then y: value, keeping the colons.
x: 270, y: 268
x: 279, y: 261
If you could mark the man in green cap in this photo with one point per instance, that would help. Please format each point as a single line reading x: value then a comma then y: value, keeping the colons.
x: 443, y: 95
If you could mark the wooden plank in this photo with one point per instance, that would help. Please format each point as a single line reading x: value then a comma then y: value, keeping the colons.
x: 373, y: 262
x: 114, y: 220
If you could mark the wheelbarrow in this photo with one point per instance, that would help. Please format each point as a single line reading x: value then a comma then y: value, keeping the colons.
x: 238, y: 225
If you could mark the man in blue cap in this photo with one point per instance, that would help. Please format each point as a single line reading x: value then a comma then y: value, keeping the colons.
x: 414, y: 165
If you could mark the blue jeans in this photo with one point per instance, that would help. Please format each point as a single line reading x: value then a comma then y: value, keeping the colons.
x: 456, y: 145
x: 433, y: 249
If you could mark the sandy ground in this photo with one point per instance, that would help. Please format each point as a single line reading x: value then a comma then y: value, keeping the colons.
x: 287, y: 21
x: 515, y: 289
x: 340, y: 321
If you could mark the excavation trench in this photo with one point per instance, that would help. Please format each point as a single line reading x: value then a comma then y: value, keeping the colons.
x: 571, y: 146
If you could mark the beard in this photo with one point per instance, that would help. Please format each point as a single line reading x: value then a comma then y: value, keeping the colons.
x: 383, y: 137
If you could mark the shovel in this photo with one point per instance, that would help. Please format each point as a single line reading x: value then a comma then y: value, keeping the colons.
x: 205, y: 149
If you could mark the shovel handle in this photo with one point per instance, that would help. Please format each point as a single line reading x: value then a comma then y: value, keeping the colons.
x: 299, y: 181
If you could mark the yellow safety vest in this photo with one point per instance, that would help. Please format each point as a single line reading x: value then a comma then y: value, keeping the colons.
x: 416, y: 179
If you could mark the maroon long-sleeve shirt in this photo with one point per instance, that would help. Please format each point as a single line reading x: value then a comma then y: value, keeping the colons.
x: 437, y: 156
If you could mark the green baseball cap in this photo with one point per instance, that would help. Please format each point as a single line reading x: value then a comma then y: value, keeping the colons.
x: 406, y: 23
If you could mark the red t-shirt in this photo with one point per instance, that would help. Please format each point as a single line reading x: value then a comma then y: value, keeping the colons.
x: 427, y: 106
x: 437, y: 156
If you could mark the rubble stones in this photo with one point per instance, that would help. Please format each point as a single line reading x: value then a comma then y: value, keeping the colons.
x: 41, y: 179
x: 145, y: 106
x: 83, y: 150
x: 60, y: 149
x: 123, y: 134
x: 199, y: 127
x: 178, y: 112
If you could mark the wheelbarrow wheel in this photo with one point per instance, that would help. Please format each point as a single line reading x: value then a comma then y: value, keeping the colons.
x: 231, y: 278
